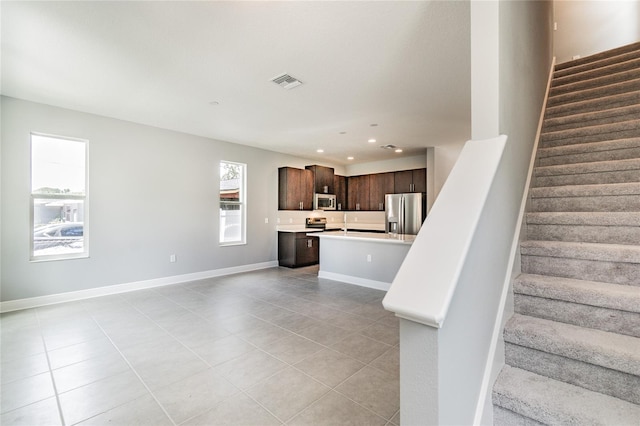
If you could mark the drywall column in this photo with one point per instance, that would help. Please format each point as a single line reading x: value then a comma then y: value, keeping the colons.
x: 485, y: 67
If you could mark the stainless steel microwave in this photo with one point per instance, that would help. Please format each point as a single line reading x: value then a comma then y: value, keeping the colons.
x: 324, y: 202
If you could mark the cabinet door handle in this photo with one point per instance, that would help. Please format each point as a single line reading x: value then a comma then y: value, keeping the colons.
x: 380, y: 207
x: 309, y: 243
x: 357, y: 206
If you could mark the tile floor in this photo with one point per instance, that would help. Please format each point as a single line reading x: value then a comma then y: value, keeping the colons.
x: 277, y: 346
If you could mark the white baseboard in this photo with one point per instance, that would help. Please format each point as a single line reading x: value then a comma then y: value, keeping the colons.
x: 349, y: 279
x: 33, y: 302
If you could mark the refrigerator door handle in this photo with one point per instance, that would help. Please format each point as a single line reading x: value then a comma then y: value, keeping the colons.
x: 401, y: 217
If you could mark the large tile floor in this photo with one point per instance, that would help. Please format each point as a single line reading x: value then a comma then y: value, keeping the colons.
x: 277, y: 346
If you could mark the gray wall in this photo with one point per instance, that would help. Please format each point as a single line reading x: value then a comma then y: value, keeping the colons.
x: 152, y: 193
x: 586, y: 27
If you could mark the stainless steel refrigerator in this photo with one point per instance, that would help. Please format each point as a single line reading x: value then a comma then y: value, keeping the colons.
x: 404, y: 213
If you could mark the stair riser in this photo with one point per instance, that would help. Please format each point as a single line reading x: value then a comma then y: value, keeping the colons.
x: 592, y: 83
x: 589, y: 376
x: 631, y: 64
x: 593, y: 105
x: 588, y: 178
x: 585, y: 234
x: 599, y: 318
x: 583, y: 95
x: 578, y: 123
x: 590, y: 270
x: 597, y: 61
x: 503, y: 417
x: 588, y: 157
x: 548, y: 142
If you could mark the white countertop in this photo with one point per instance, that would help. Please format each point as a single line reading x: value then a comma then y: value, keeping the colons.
x: 375, y: 237
x: 297, y: 228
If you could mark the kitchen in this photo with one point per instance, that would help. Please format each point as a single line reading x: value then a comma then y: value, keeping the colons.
x: 358, y: 228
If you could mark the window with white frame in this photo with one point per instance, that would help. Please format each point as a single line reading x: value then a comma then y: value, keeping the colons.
x: 232, y: 203
x: 59, y: 202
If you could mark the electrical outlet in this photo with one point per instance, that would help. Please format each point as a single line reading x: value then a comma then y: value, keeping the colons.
x: 278, y: 220
x: 369, y: 258
x: 172, y: 258
x: 290, y: 220
x: 266, y: 220
x: 355, y: 219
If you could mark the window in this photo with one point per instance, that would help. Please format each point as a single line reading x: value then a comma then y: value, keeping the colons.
x: 58, y: 198
x: 232, y: 203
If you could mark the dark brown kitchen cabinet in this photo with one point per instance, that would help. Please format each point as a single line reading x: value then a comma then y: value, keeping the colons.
x: 410, y: 181
x: 380, y: 184
x: 358, y: 192
x: 295, y: 189
x: 340, y: 188
x: 297, y: 249
x: 323, y: 179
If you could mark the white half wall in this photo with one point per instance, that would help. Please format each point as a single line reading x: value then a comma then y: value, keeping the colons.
x: 586, y: 27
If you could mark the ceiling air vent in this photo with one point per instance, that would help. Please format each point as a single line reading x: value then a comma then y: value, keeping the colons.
x: 388, y: 146
x: 286, y: 81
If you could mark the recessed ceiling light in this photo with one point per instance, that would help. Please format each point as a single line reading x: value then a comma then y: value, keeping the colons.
x: 349, y: 158
x: 320, y: 150
x: 398, y: 150
x: 373, y: 125
x: 372, y: 141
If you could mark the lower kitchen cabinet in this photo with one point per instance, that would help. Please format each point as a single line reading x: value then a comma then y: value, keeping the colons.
x: 297, y: 249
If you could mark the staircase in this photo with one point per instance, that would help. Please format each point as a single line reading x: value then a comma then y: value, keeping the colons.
x: 572, y: 348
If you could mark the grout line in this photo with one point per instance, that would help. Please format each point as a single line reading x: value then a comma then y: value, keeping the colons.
x: 53, y: 380
x: 137, y: 375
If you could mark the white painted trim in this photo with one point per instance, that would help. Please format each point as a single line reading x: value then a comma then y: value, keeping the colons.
x: 487, y: 381
x: 33, y: 302
x: 350, y: 279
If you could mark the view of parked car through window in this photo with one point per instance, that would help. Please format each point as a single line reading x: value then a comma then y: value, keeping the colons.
x: 58, y: 197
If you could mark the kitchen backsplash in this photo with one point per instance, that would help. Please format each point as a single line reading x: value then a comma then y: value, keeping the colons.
x: 334, y: 218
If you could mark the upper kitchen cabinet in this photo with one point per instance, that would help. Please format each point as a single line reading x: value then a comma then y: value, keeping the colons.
x: 410, y: 181
x: 358, y: 192
x: 323, y: 179
x: 295, y: 189
x: 380, y: 184
x: 340, y: 188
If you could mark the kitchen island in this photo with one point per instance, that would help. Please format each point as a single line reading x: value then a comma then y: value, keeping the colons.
x: 367, y: 259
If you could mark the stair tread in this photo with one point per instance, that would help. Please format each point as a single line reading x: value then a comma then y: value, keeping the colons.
x: 623, y: 253
x: 589, y: 147
x: 592, y: 130
x: 631, y: 63
x: 603, y: 189
x: 592, y: 115
x: 631, y: 85
x: 590, y: 167
x: 584, y: 218
x: 553, y: 402
x: 606, y: 349
x: 593, y: 104
x: 592, y: 293
x: 598, y: 60
x: 595, y: 81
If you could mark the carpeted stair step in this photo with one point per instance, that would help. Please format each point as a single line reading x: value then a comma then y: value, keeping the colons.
x: 502, y: 416
x: 591, y: 83
x: 591, y: 105
x: 587, y: 227
x: 613, y: 197
x: 631, y: 64
x: 596, y: 360
x: 553, y: 402
x: 602, y: 306
x: 608, y: 90
x: 611, y: 263
x: 620, y: 149
x: 598, y: 60
x: 595, y: 118
x: 599, y: 133
x: 595, y: 172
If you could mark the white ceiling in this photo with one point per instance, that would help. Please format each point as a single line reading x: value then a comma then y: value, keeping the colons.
x: 402, y: 65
